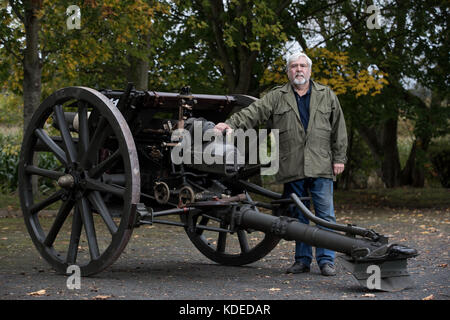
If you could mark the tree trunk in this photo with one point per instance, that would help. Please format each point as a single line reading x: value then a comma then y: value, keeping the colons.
x: 413, y: 173
x: 31, y: 63
x: 348, y: 172
x: 139, y: 67
x: 139, y: 73
x: 390, y: 165
x: 382, y: 142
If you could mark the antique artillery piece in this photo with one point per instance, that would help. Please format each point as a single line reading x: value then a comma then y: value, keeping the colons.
x: 113, y: 172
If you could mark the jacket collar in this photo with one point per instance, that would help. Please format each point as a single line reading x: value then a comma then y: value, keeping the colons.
x: 316, y: 97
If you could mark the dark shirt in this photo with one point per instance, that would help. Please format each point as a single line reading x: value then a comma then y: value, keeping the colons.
x: 303, y: 106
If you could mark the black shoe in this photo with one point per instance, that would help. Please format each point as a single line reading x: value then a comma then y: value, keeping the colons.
x: 328, y: 270
x: 298, y: 267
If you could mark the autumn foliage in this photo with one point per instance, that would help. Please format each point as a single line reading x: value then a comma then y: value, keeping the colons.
x: 333, y: 69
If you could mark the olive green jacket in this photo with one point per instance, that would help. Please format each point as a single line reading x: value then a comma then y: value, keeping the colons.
x: 301, y: 154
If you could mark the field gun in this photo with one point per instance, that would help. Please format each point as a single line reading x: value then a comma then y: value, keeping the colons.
x: 113, y: 170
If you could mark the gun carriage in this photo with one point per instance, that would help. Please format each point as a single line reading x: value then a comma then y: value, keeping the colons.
x: 113, y: 172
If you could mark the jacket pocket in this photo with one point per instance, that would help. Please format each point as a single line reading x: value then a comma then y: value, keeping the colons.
x: 283, y: 117
x: 323, y: 118
x: 284, y: 140
x: 324, y: 141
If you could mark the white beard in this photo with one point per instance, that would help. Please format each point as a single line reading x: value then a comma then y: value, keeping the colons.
x: 299, y: 82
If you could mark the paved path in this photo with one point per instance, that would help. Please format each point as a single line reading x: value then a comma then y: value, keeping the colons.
x: 161, y: 263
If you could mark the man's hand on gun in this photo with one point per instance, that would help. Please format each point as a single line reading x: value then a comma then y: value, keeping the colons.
x: 220, y: 127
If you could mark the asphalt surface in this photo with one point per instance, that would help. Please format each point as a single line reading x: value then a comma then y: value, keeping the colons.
x: 161, y: 263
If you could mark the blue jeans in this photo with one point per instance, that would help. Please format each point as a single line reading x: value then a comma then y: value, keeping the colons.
x: 321, y: 190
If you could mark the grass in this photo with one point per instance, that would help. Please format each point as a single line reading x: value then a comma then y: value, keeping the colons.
x: 11, y: 202
x: 405, y: 197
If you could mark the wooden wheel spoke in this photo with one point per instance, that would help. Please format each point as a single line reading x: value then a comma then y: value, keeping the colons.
x: 100, y: 186
x: 99, y: 205
x: 45, y: 203
x: 74, y: 237
x: 119, y: 179
x: 222, y: 242
x: 203, y: 222
x: 43, y: 172
x: 58, y: 223
x: 102, y: 131
x: 243, y: 242
x: 88, y: 222
x: 44, y: 137
x: 83, y: 127
x: 68, y: 144
x: 99, y: 169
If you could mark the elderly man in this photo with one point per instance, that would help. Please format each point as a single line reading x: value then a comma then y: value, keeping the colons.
x: 312, y: 146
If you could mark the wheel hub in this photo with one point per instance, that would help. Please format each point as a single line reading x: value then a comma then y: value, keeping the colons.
x: 66, y: 181
x: 73, y: 180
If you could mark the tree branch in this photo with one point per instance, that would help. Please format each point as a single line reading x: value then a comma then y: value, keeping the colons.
x: 8, y: 48
x: 16, y: 10
x: 282, y: 6
x: 215, y: 20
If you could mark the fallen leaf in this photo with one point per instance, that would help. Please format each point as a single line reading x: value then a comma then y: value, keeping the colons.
x: 430, y: 297
x: 443, y: 265
x: 274, y: 289
x: 368, y: 295
x: 37, y: 293
x: 101, y: 297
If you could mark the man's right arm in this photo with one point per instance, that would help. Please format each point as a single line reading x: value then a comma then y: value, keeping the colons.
x: 256, y: 113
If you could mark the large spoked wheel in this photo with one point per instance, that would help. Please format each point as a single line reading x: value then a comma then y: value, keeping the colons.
x: 233, y: 249
x: 85, y: 169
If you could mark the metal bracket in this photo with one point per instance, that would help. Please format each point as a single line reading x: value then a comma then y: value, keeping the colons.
x: 143, y: 216
x: 279, y: 226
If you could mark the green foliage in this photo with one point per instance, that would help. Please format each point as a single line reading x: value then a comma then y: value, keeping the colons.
x: 219, y: 47
x: 11, y: 112
x: 360, y: 164
x: 10, y: 145
x: 97, y: 55
x: 9, y: 159
x: 47, y: 160
x: 237, y: 46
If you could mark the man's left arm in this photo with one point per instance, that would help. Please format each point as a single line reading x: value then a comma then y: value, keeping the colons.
x: 338, y: 136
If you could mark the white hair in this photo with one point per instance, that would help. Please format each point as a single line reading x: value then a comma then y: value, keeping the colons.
x: 296, y: 56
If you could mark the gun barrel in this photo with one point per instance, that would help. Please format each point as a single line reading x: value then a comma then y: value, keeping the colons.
x: 361, y: 254
x: 291, y: 229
